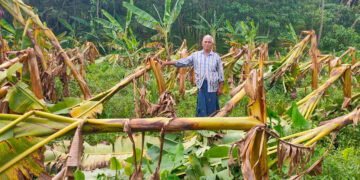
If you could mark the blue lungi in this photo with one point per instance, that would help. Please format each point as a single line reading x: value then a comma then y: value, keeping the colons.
x: 207, y: 102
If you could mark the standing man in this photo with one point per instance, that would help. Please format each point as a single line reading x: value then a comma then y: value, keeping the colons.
x: 209, y: 76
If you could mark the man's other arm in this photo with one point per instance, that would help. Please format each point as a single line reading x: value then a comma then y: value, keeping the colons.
x: 220, y: 71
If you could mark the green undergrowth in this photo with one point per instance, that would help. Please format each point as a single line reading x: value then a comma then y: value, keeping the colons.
x: 342, y: 161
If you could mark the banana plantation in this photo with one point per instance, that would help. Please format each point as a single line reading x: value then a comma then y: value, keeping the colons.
x: 86, y: 95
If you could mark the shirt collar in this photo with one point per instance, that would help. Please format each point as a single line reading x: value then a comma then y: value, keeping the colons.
x: 211, y: 52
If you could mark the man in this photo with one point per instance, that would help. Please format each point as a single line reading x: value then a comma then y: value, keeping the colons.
x: 209, y: 76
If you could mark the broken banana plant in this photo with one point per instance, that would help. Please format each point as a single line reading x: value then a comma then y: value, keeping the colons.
x: 293, y: 57
x: 308, y: 104
x: 32, y: 25
x: 66, y: 124
x: 182, y: 71
x: 308, y: 138
x: 252, y: 148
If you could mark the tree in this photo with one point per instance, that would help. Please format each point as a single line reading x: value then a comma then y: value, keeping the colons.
x: 162, y: 26
x: 322, y: 20
x: 213, y: 27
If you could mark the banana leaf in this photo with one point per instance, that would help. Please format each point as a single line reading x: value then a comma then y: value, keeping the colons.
x: 87, y: 109
x: 32, y: 164
x: 21, y: 99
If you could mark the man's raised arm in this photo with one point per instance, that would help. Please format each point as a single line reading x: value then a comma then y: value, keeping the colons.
x: 184, y: 62
x: 164, y: 63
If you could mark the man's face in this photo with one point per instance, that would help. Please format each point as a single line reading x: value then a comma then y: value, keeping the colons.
x: 207, y: 44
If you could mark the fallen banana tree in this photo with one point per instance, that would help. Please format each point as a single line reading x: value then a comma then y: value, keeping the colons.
x: 15, y: 127
x: 293, y: 57
x: 138, y: 72
x: 305, y: 67
x: 308, y: 104
x: 22, y: 128
x: 32, y: 25
x: 54, y: 126
x: 309, y: 139
x: 248, y: 87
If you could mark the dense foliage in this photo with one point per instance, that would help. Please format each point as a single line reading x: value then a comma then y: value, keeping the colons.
x: 340, y: 19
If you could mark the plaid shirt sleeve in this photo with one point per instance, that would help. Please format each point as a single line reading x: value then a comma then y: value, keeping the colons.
x: 188, y: 61
x: 220, y: 70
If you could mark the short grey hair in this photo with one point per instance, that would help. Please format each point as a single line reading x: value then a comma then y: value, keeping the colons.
x: 208, y: 35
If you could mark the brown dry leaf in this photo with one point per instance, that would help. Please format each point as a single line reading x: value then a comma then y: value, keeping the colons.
x: 316, y: 168
x: 165, y: 106
x: 251, y: 85
x: 299, y: 155
x: 75, y: 152
x: 90, y: 52
x: 34, y: 74
x: 231, y: 161
x: 63, y: 76
x: 137, y: 109
x: 48, y: 83
x: 356, y: 118
x: 144, y: 103
x: 76, y: 148
x: 346, y: 102
x: 190, y: 76
x: 137, y: 174
x: 156, y: 174
x: 245, y: 147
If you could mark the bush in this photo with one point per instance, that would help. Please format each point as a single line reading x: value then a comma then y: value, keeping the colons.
x: 341, y: 39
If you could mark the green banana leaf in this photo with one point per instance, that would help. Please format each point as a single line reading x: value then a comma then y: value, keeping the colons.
x: 142, y: 17
x: 21, y: 99
x: 33, y: 164
x: 64, y: 107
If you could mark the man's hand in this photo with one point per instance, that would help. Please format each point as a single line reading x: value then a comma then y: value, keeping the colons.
x: 164, y: 63
x: 219, y: 91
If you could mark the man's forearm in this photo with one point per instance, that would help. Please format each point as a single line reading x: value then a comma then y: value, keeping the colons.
x: 169, y: 62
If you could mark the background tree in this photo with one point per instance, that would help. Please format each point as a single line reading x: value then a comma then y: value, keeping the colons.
x: 214, y: 27
x: 270, y: 16
x: 162, y: 26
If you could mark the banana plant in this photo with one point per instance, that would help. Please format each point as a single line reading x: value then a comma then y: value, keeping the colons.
x: 233, y: 34
x: 70, y: 40
x: 163, y: 26
x: 33, y: 26
x: 121, y: 40
x: 290, y: 37
x: 241, y: 34
x: 90, y: 32
x: 213, y: 27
